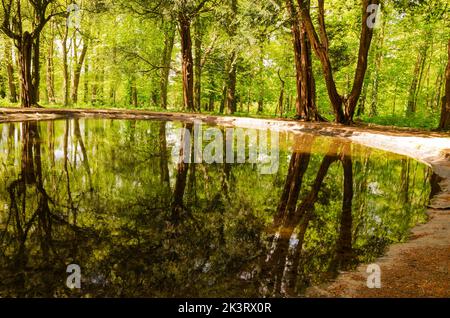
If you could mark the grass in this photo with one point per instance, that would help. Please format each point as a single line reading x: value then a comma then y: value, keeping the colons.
x: 420, y: 121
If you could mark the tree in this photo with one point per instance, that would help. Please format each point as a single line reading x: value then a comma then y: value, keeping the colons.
x: 25, y: 28
x: 445, y: 113
x: 305, y: 82
x: 344, y: 106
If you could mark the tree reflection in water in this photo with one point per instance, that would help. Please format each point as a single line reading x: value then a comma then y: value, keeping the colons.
x: 108, y: 196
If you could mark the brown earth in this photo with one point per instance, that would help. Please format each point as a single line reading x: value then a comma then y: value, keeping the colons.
x: 418, y: 268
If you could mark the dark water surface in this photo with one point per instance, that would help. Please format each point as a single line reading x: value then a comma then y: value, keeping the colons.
x: 109, y: 196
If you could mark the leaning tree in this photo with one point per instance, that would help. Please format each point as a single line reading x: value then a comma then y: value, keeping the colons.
x: 344, y: 105
x: 23, y: 22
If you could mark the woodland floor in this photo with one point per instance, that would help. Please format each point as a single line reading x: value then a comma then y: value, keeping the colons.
x: 418, y: 268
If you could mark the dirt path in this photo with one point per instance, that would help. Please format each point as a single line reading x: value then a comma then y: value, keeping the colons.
x: 418, y: 268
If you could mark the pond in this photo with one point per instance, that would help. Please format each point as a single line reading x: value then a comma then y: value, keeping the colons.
x: 130, y: 204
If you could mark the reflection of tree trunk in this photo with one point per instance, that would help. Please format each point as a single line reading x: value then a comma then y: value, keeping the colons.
x: 79, y: 139
x: 274, y: 267
x: 297, y: 169
x: 66, y: 169
x: 31, y: 175
x: 344, y: 252
x: 404, y: 194
x: 182, y: 172
x: 435, y: 185
x: 165, y: 178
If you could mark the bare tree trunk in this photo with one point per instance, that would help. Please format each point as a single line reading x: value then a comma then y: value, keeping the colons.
x: 36, y: 65
x: 376, y: 75
x: 445, y: 114
x: 50, y: 78
x: 86, y: 82
x: 77, y: 72
x: 10, y: 71
x: 169, y: 39
x: 25, y: 49
x: 187, y: 61
x: 65, y: 65
x: 198, y: 39
x: 232, y: 69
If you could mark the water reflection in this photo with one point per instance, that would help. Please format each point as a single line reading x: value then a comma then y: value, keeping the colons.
x: 108, y: 196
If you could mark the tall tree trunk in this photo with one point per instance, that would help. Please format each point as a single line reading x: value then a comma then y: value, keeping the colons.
x: 187, y: 61
x: 305, y: 82
x: 36, y: 64
x: 50, y: 77
x: 25, y: 49
x: 77, y: 72
x: 376, y: 74
x: 169, y: 39
x: 232, y: 69
x: 86, y: 82
x: 415, y: 84
x: 10, y: 71
x: 231, y: 85
x: 445, y: 114
x: 198, y: 41
x: 65, y: 56
x: 261, y: 78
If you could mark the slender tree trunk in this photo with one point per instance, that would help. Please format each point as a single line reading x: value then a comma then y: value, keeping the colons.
x: 10, y: 72
x: 417, y: 76
x: 231, y: 85
x: 181, y: 179
x: 77, y: 72
x: 376, y: 74
x: 36, y: 65
x: 86, y: 82
x: 50, y: 78
x: 223, y: 100
x: 281, y: 97
x: 65, y: 66
x: 198, y: 41
x: 169, y: 39
x: 344, y: 243
x: 232, y: 69
x: 187, y: 61
x: 445, y: 114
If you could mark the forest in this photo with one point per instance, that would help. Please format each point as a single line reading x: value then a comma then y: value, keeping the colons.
x: 125, y: 127
x: 382, y: 62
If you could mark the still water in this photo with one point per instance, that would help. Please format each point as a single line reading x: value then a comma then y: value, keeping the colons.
x: 111, y: 197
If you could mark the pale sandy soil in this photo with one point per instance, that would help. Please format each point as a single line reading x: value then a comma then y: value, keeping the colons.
x: 418, y: 268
